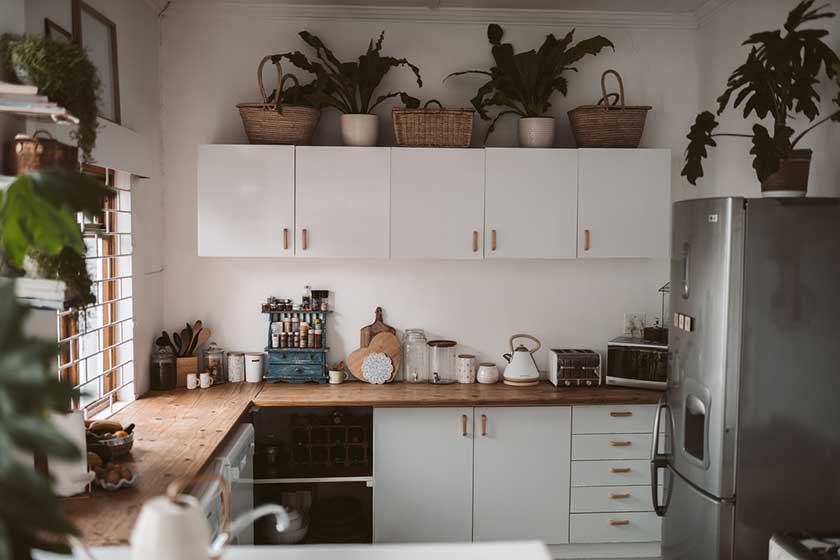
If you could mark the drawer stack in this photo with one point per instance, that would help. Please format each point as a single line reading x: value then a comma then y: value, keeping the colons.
x: 610, y: 495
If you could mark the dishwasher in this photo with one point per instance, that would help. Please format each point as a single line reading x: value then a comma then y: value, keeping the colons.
x: 235, y: 463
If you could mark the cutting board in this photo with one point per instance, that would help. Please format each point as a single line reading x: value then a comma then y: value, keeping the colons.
x: 378, y: 326
x: 385, y: 342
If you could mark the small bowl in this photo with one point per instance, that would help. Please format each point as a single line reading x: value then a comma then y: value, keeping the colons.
x: 119, y: 446
x: 123, y: 483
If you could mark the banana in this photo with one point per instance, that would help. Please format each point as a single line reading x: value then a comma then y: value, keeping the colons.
x: 103, y: 426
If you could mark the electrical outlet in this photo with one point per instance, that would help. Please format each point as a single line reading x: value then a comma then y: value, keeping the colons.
x: 634, y: 324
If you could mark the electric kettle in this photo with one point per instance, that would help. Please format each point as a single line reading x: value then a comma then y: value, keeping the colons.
x: 522, y: 369
x: 174, y: 527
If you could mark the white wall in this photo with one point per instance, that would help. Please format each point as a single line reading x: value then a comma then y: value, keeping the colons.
x: 209, y: 57
x: 729, y: 170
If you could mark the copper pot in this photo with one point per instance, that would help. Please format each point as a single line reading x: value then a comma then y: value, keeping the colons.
x: 40, y: 151
x: 791, y: 180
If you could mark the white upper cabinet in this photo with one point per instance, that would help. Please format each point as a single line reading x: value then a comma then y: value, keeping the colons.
x: 342, y: 202
x: 246, y: 201
x: 531, y: 203
x: 624, y: 203
x: 437, y: 203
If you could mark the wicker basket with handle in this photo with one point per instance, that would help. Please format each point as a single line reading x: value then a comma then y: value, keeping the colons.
x: 264, y: 125
x: 606, y: 125
x: 433, y: 127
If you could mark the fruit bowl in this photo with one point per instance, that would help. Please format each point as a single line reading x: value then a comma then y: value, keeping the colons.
x: 119, y: 445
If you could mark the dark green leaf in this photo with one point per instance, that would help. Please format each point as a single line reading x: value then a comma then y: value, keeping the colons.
x: 494, y: 33
x: 39, y: 435
x: 700, y: 137
x: 769, y: 151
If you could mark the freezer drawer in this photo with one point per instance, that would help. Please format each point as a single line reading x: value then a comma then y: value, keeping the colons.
x: 614, y: 528
x: 612, y: 419
x: 610, y: 473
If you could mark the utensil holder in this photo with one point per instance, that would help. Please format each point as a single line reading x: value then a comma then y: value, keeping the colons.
x: 184, y: 366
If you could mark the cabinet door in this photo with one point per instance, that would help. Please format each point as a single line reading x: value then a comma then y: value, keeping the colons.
x: 437, y: 203
x: 624, y: 203
x: 530, y: 203
x: 342, y: 202
x: 422, y: 474
x: 246, y: 201
x: 522, y: 469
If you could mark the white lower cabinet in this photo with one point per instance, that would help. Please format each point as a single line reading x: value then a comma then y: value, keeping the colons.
x: 626, y: 527
x: 521, y: 470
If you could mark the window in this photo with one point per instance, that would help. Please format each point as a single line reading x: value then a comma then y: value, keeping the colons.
x: 97, y: 354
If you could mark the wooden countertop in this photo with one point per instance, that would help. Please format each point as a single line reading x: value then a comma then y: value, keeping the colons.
x: 178, y: 432
x: 408, y: 394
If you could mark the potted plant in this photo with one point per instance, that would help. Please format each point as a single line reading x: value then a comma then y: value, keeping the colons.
x: 777, y: 80
x: 523, y: 83
x: 63, y: 72
x: 350, y: 86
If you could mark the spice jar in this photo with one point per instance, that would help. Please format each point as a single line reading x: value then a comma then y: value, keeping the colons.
x: 214, y: 363
x: 162, y: 374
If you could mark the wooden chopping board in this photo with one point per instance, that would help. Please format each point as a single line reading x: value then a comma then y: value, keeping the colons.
x: 378, y: 326
x: 386, y: 343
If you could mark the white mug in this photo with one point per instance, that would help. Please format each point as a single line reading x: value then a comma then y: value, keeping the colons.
x: 205, y: 380
x: 192, y: 381
x: 337, y: 377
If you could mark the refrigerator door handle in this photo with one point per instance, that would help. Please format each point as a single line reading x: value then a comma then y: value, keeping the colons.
x: 657, y: 459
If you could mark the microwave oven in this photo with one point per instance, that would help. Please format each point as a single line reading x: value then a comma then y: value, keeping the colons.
x: 635, y: 362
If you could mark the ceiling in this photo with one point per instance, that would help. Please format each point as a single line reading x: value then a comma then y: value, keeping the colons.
x: 660, y: 6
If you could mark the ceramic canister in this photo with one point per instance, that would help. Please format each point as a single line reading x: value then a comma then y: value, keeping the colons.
x: 253, y: 367
x: 466, y: 368
x: 488, y: 373
x: 236, y: 367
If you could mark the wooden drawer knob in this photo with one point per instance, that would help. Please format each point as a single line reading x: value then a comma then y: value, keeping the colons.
x: 464, y: 425
x: 621, y: 414
x: 619, y: 496
x: 619, y: 522
x: 621, y: 443
x: 619, y: 470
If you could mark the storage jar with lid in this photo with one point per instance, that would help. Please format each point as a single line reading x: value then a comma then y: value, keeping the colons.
x: 442, y: 361
x: 162, y: 374
x: 214, y: 363
x: 236, y: 367
x: 416, y: 352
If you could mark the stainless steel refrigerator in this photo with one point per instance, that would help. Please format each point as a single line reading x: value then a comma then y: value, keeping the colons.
x: 752, y: 407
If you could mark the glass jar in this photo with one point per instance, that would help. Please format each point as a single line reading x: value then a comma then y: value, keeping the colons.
x: 214, y: 363
x: 162, y: 365
x: 442, y: 361
x: 416, y: 353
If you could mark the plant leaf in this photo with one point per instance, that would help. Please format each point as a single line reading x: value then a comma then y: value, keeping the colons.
x: 495, y: 33
x: 769, y: 151
x: 700, y: 137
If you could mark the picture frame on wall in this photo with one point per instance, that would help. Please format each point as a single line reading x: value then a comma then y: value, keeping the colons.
x: 98, y: 34
x: 55, y: 32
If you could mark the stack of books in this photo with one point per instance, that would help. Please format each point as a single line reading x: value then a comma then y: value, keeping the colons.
x: 24, y: 100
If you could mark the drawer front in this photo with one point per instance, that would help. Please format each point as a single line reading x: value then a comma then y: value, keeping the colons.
x: 280, y: 357
x: 291, y: 371
x: 610, y: 473
x: 587, y: 528
x: 600, y: 499
x: 611, y: 446
x: 613, y: 419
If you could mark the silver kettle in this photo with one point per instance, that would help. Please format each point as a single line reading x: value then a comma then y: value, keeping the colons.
x: 522, y: 368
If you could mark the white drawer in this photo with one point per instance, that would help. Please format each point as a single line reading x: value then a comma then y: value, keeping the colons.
x: 611, y: 446
x: 614, y: 527
x: 613, y: 419
x: 610, y: 473
x: 600, y: 499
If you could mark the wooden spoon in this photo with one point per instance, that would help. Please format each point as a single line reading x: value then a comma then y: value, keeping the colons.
x: 177, y: 339
x: 196, y: 329
x: 186, y: 336
x: 201, y: 340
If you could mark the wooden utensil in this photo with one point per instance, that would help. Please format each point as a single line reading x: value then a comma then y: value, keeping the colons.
x: 176, y: 338
x: 186, y: 336
x: 201, y: 339
x: 367, y: 333
x: 385, y: 342
x: 196, y: 330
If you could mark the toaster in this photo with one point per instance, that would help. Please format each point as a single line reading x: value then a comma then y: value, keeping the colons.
x: 574, y: 368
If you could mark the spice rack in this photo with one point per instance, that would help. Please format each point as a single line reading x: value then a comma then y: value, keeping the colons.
x: 294, y: 364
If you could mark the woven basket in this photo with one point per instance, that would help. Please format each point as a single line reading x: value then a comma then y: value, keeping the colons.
x: 264, y: 125
x: 609, y: 126
x: 433, y: 128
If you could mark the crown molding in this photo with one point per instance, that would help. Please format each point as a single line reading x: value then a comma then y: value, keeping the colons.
x: 576, y: 18
x: 707, y: 10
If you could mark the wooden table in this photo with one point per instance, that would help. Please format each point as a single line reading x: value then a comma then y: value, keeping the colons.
x: 178, y: 432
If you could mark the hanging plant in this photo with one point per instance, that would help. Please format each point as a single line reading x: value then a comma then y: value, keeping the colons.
x: 63, y: 72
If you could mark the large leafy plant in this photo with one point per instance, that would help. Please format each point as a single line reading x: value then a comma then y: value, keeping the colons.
x: 349, y: 87
x: 38, y: 220
x: 779, y: 81
x: 523, y: 83
x: 30, y: 517
x: 63, y: 72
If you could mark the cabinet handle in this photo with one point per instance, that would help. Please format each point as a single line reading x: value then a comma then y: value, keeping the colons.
x: 475, y: 241
x: 285, y: 238
x: 619, y: 496
x: 586, y: 240
x: 464, y: 425
x: 493, y: 240
x: 304, y: 238
x: 623, y: 414
x: 619, y: 470
x: 621, y: 443
x: 619, y: 522
x: 484, y: 425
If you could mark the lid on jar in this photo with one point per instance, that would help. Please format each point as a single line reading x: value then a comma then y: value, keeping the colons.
x: 162, y: 353
x: 214, y: 349
x: 415, y: 331
x: 237, y: 354
x: 442, y: 343
x: 467, y: 356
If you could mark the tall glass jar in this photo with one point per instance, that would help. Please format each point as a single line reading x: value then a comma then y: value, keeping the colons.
x: 416, y: 354
x: 214, y: 363
x: 162, y: 375
x: 442, y: 361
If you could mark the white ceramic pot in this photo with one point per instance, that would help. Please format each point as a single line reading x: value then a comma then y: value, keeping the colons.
x: 359, y: 130
x: 488, y: 373
x: 253, y: 367
x: 536, y: 132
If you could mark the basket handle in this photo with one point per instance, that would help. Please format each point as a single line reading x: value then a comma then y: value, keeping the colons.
x: 605, y: 98
x: 281, y: 79
x: 426, y: 106
x: 44, y: 133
